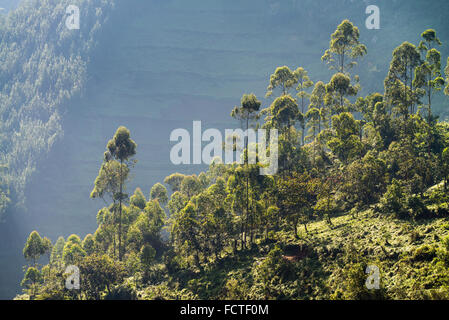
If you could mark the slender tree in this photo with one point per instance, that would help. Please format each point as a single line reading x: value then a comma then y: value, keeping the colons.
x: 247, y: 113
x: 111, y: 175
x: 428, y: 74
x: 400, y: 77
x: 304, y: 83
x: 121, y: 148
x: 445, y: 166
x: 317, y: 100
x: 282, y: 78
x: 446, y: 72
x: 282, y: 114
x: 344, y: 47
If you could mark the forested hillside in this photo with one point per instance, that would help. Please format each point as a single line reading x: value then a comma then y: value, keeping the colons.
x: 43, y: 66
x: 154, y: 66
x: 362, y: 181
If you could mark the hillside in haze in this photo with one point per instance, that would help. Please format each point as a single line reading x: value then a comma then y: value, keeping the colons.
x: 159, y: 65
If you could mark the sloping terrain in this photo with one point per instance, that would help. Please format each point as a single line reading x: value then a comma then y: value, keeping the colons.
x: 159, y: 65
x: 327, y: 263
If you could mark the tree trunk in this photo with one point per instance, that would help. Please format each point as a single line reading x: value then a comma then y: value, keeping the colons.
x: 429, y: 117
x: 303, y: 123
x: 242, y: 232
x: 295, y: 226
x: 430, y: 101
x: 247, y: 180
x: 120, y: 216
x: 113, y: 240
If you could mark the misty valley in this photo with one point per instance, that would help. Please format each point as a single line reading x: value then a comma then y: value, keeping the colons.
x: 224, y: 150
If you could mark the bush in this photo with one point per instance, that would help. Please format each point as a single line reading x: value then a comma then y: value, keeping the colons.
x: 424, y: 253
x: 417, y: 208
x: 443, y: 253
x: 272, y: 276
x: 154, y: 274
x: 394, y: 200
x: 414, y: 236
x: 121, y: 292
x: 236, y: 288
x: 440, y: 210
x: 352, y: 285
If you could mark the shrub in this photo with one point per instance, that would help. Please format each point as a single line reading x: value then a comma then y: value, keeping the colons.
x: 393, y: 201
x: 236, y: 288
x: 417, y: 208
x: 352, y: 285
x: 424, y: 253
x: 121, y: 292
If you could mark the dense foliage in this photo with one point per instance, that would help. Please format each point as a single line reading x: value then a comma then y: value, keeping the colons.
x: 365, y: 176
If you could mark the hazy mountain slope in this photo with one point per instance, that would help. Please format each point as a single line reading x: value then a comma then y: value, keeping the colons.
x: 43, y: 66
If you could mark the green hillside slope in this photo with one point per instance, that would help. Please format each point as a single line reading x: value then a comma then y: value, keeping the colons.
x: 327, y: 263
x: 158, y: 66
